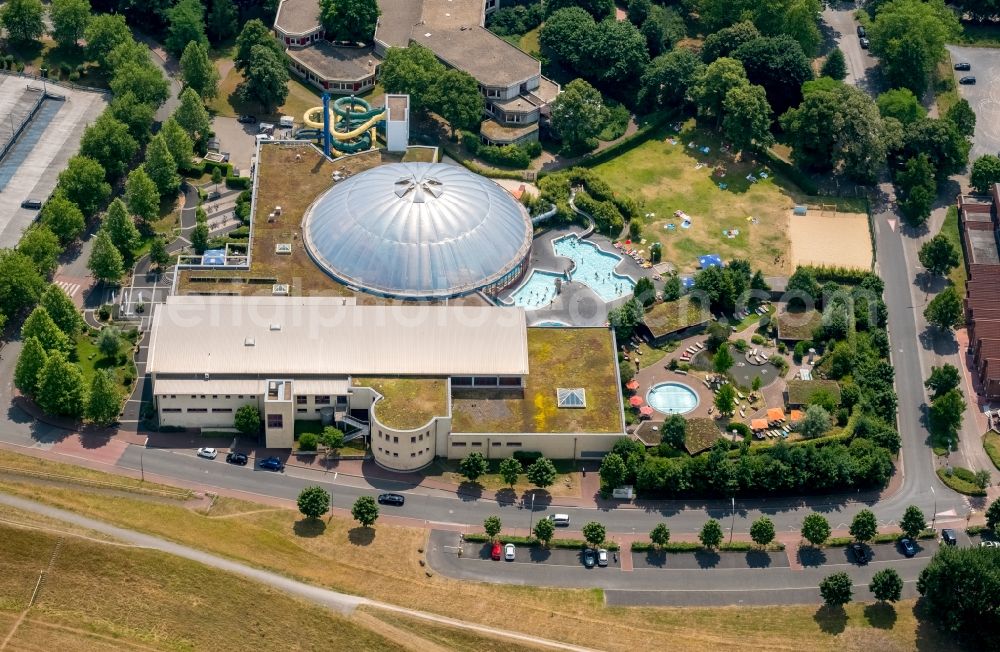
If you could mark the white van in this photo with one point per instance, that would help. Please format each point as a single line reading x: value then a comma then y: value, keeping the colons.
x: 560, y: 520
x: 287, y: 121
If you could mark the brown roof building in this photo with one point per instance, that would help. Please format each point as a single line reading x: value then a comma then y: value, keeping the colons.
x: 979, y: 225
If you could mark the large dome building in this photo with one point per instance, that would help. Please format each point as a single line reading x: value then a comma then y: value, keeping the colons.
x: 419, y: 230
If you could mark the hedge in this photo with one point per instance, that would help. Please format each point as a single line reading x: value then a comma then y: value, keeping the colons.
x: 690, y: 546
x: 976, y: 530
x: 885, y: 537
x: 961, y: 480
x: 531, y: 542
x: 480, y: 170
x: 794, y: 174
x: 848, y: 275
x: 203, y: 166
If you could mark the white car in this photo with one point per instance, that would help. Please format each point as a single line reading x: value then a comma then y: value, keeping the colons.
x: 207, y: 453
x: 602, y: 557
x: 989, y: 544
x: 508, y: 552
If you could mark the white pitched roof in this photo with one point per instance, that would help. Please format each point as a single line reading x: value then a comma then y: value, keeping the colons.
x: 288, y: 336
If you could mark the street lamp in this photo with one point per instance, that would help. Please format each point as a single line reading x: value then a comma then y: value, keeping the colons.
x: 142, y: 471
x: 934, y: 515
x: 531, y: 516
x: 733, y: 523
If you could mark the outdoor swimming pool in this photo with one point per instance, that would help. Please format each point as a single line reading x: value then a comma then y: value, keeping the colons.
x: 550, y: 324
x: 672, y: 398
x: 594, y: 267
x: 538, y: 291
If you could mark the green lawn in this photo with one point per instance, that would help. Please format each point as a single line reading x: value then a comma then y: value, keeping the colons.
x: 408, y: 402
x: 950, y: 230
x: 45, y: 53
x: 529, y: 42
x: 90, y: 358
x: 991, y: 442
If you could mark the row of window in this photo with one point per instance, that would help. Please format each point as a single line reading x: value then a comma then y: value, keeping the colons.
x: 413, y: 440
x: 198, y: 410
x: 486, y: 381
x: 478, y: 444
x: 396, y: 454
x: 214, y: 396
x: 318, y: 400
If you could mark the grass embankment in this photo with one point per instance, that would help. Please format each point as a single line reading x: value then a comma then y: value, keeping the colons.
x: 383, y: 564
x: 950, y: 230
x: 961, y: 480
x: 991, y: 442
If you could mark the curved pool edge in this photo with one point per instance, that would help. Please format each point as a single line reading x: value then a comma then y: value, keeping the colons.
x: 668, y: 410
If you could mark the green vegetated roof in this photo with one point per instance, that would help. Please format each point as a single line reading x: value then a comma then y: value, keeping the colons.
x: 407, y: 402
x: 797, y: 325
x: 701, y: 434
x: 800, y: 392
x: 672, y: 316
x: 557, y: 358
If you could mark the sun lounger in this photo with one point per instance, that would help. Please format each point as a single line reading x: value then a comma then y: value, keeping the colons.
x: 740, y: 394
x: 743, y: 413
x: 699, y: 345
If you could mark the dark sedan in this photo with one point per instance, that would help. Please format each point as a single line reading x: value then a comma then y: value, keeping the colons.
x: 909, y: 548
x: 246, y: 119
x: 968, y: 81
x: 589, y: 558
x: 391, y: 499
x: 963, y: 65
x: 239, y: 459
x: 860, y: 553
x: 271, y: 464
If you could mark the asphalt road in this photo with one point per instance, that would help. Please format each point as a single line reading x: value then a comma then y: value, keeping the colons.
x: 983, y: 96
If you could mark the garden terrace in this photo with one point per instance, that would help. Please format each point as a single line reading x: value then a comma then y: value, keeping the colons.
x: 800, y: 392
x: 557, y: 358
x: 407, y: 403
x: 701, y: 434
x: 797, y: 325
x: 672, y: 316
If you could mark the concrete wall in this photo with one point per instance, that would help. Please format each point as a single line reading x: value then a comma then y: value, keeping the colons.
x: 407, y: 450
x: 283, y: 437
x: 560, y: 446
x: 213, y: 411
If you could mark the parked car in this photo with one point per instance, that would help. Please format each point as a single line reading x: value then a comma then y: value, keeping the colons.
x: 495, y: 554
x: 271, y: 464
x: 237, y: 458
x: 33, y: 204
x: 909, y: 548
x: 864, y: 42
x: 860, y: 553
x: 509, y: 552
x: 246, y: 119
x: 589, y: 558
x: 861, y: 31
x: 602, y: 557
x: 207, y: 453
x: 948, y: 536
x: 968, y: 80
x: 391, y: 499
x: 963, y: 65
x: 559, y: 520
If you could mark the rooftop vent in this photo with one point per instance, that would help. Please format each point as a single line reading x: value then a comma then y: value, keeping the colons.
x: 275, y: 327
x: 283, y: 248
x: 280, y: 289
x: 571, y: 398
x: 248, y: 341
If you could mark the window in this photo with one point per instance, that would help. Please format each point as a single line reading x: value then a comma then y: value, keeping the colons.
x: 203, y: 396
x: 477, y: 443
x: 194, y: 396
x: 421, y: 437
x: 275, y: 421
x: 228, y: 396
x: 413, y: 454
x: 395, y: 440
x: 171, y: 409
x: 413, y: 440
x: 496, y: 444
x: 173, y: 396
x: 301, y: 400
x: 214, y: 396
x: 511, y: 382
x: 395, y: 454
x: 222, y: 409
x: 513, y: 444
x: 380, y: 449
x: 322, y: 400
x: 302, y: 410
x: 197, y: 409
x: 461, y: 381
x: 492, y: 92
x: 240, y: 396
x: 458, y: 444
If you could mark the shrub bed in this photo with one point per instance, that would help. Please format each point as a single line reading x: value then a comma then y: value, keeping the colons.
x: 961, y: 480
x: 531, y: 542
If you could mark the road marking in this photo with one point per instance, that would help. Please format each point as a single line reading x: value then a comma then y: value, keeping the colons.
x: 69, y: 288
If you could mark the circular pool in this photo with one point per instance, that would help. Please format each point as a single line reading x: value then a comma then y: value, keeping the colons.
x: 672, y: 398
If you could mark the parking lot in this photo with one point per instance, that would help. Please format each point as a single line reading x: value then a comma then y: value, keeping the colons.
x: 549, y: 557
x: 983, y: 96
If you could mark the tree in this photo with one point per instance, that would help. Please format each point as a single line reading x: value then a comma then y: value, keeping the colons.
x: 644, y: 292
x: 141, y: 195
x: 365, y: 511
x: 985, y: 173
x: 725, y: 400
x: 836, y: 127
x: 178, y: 142
x: 349, y: 20
x: 668, y: 79
x: 886, y: 585
x: 42, y: 327
x: 23, y: 20
x: 141, y: 78
x: 29, y: 366
x: 674, y: 431
x: 710, y: 89
x: 594, y: 533
x: 778, y: 64
x: 69, y: 20
x: 938, y: 255
x: 42, y: 246
x: 187, y: 25
x: 834, y: 66
x: 918, y: 187
x: 457, y: 99
x: 815, y: 529
x: 599, y: 9
x: 20, y: 283
x: 161, y: 168
x: 913, y: 522
x: 711, y: 534
x: 62, y: 310
x: 722, y: 361
x: 663, y: 29
x: 221, y: 23
x: 762, y: 531
x: 121, y: 229
x: 959, y: 588
x: 660, y: 535
x: 314, y: 502
x: 473, y: 466
x: 109, y: 342
x: 192, y: 116
x: 199, y: 237
x: 727, y: 40
x: 197, y: 71
x: 908, y: 36
x: 747, y: 119
x: 510, y: 470
x: 864, y: 526
x: 63, y: 217
x: 578, y: 115
x: 542, y: 473
x: 946, y: 148
x: 413, y: 71
x: 332, y: 438
x: 158, y: 254
x: 816, y: 422
x: 625, y: 318
x: 104, y: 400
x: 247, y: 419
x: 566, y: 33
x: 544, y: 529
x: 103, y: 34
x: 60, y: 387
x: 492, y: 526
x: 837, y: 589
x: 945, y: 310
x: 613, y: 471
x: 265, y: 79
x: 136, y: 115
x: 942, y: 380
x: 83, y: 183
x: 105, y: 261
x: 963, y: 117
x: 993, y: 516
x: 945, y: 414
x: 615, y: 53
x: 902, y: 104
x: 254, y: 33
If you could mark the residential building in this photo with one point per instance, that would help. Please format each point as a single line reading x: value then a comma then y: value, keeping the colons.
x: 979, y: 226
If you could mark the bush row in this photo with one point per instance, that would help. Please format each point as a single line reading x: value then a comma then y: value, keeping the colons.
x: 690, y: 546
x: 961, y: 480
x: 849, y: 275
x: 204, y: 166
x: 514, y: 156
x: 493, y: 173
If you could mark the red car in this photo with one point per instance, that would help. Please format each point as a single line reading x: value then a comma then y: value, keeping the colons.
x: 496, y: 552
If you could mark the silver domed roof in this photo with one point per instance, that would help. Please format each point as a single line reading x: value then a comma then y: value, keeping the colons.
x: 417, y: 230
